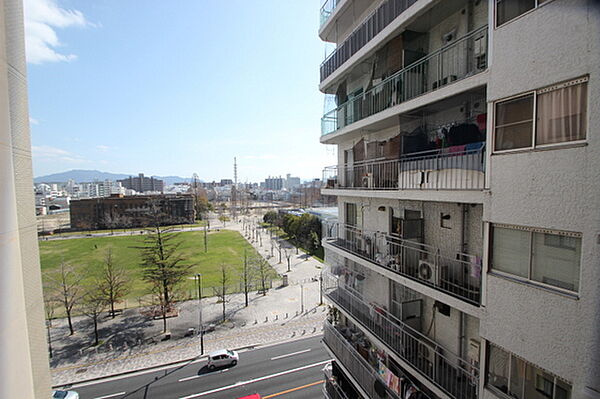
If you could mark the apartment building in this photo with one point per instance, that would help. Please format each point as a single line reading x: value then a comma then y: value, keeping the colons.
x: 465, y: 260
x: 142, y: 184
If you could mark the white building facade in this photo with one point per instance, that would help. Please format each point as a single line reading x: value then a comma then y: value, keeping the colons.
x: 465, y: 260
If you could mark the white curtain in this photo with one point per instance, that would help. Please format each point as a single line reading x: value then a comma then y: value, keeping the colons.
x: 561, y: 114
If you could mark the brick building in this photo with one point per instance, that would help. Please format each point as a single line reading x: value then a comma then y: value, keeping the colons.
x: 119, y: 211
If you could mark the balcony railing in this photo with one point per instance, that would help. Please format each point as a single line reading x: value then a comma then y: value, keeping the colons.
x: 363, y: 372
x: 459, y: 276
x: 451, y: 168
x: 458, y: 60
x: 333, y: 391
x: 364, y: 33
x: 454, y: 375
x: 326, y: 10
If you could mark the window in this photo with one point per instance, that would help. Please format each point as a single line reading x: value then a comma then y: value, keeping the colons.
x: 555, y: 114
x: 537, y: 255
x: 507, y: 10
x: 517, y: 378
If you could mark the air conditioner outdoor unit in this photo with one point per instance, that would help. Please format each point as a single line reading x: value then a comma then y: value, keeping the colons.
x: 428, y: 271
x: 367, y: 180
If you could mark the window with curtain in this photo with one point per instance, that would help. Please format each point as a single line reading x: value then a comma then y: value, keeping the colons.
x: 520, y: 379
x: 538, y: 256
x: 559, y: 112
x: 561, y: 115
x: 514, y: 123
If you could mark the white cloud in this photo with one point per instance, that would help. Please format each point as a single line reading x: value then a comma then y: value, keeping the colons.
x: 33, y: 121
x: 49, y: 153
x: 103, y: 148
x: 41, y: 40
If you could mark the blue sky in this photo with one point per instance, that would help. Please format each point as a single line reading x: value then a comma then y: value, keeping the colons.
x: 176, y: 87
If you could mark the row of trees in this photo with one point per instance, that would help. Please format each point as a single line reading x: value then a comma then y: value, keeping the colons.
x: 103, y: 289
x: 304, y: 231
x: 93, y: 291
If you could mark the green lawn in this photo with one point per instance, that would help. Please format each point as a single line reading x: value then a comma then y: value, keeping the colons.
x: 224, y: 246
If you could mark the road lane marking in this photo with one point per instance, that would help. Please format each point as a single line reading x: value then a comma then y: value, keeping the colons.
x: 294, y: 389
x: 193, y: 377
x: 290, y: 354
x: 112, y: 395
x: 266, y: 377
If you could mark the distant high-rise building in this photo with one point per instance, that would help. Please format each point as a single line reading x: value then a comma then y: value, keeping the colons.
x: 142, y: 184
x: 291, y: 182
x: 274, y: 183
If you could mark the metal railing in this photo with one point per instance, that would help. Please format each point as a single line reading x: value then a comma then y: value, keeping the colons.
x: 448, y: 371
x: 451, y: 168
x: 326, y: 10
x: 458, y: 275
x: 458, y: 60
x: 363, y: 372
x: 332, y: 390
x: 373, y: 24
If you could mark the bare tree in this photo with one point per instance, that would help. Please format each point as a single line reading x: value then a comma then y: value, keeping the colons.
x: 246, y: 278
x: 221, y: 291
x: 162, y: 265
x: 113, y: 282
x: 66, y: 284
x: 263, y: 271
x: 50, y: 302
x: 288, y: 255
x: 92, y: 305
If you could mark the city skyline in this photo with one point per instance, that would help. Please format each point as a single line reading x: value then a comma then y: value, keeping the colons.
x: 175, y: 115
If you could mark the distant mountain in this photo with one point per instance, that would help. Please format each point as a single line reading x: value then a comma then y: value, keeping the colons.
x: 80, y: 176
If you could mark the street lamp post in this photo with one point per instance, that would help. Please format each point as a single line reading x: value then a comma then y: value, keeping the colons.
x: 301, y: 298
x: 200, y: 323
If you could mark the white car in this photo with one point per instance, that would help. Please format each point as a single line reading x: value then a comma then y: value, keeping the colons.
x: 223, y: 357
x: 65, y: 395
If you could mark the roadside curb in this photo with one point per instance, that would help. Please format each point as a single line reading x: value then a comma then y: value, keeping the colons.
x: 179, y: 362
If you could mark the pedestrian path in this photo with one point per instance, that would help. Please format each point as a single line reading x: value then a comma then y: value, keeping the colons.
x: 284, y: 313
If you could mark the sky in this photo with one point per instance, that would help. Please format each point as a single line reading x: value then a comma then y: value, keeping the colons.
x: 176, y: 87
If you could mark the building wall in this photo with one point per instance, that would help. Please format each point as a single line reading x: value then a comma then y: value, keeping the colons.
x: 24, y: 370
x: 555, y: 189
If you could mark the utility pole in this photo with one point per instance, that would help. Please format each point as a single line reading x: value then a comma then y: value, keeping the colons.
x: 200, y: 323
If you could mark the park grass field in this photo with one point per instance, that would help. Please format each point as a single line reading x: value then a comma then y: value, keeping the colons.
x: 224, y: 247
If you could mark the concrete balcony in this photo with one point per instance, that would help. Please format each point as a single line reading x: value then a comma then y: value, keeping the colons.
x: 461, y: 59
x: 457, y: 277
x: 440, y: 369
x: 451, y: 168
x: 373, y: 24
x: 363, y: 374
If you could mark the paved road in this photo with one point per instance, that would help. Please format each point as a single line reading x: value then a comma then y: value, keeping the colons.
x: 290, y: 370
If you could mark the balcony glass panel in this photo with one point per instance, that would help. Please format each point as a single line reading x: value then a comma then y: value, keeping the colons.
x: 454, y: 375
x: 326, y: 10
x: 458, y: 275
x: 462, y: 58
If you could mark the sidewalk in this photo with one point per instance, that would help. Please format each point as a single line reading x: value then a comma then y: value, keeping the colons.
x: 132, y: 340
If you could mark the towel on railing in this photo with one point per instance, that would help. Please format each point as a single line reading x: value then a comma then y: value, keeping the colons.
x: 456, y: 149
x: 475, y: 146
